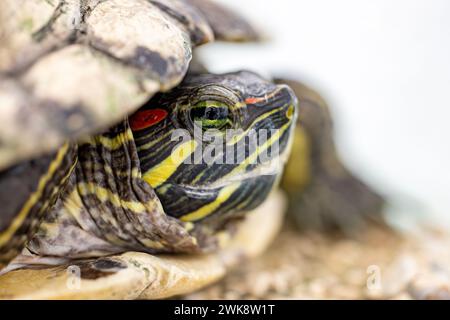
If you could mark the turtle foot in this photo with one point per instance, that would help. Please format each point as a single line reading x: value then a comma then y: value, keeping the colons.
x: 341, y: 203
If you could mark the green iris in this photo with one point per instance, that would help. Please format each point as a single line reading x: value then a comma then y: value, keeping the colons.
x: 211, y: 115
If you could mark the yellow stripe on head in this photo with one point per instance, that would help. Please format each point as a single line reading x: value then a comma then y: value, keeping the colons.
x: 235, y: 139
x: 161, y: 172
x: 224, y: 194
x: 254, y: 156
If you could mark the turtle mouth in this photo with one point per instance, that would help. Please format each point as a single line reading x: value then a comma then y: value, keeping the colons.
x: 197, y: 203
x: 262, y: 171
x: 274, y: 167
x: 236, y: 193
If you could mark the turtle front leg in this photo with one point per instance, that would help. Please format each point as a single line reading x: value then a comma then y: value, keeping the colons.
x: 323, y: 193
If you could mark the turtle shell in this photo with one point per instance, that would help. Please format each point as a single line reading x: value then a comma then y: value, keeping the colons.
x: 72, y: 68
x: 135, y: 275
x: 69, y: 69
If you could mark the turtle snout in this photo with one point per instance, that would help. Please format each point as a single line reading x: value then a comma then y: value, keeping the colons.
x: 290, y: 101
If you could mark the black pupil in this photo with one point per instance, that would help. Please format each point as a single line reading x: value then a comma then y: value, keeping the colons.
x: 209, y: 113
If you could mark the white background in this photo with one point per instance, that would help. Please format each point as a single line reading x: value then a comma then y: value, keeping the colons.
x: 384, y: 67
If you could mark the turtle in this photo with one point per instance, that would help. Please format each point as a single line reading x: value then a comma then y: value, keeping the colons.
x: 93, y: 181
x: 46, y: 42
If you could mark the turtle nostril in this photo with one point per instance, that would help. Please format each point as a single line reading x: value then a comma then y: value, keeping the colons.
x: 290, y: 111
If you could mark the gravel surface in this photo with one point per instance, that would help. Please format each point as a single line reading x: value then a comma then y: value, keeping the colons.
x: 380, y: 264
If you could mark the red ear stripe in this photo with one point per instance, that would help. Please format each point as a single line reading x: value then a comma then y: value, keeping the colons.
x: 253, y: 100
x: 147, y: 118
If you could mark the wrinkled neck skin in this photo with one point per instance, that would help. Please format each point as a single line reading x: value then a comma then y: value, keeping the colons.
x: 125, y: 196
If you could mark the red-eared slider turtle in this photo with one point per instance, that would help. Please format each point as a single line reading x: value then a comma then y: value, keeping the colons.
x: 71, y: 68
x: 108, y: 145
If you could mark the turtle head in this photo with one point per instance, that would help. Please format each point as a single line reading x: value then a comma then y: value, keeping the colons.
x: 216, y: 144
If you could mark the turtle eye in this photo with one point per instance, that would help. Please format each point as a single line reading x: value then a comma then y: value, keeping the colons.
x: 211, y: 115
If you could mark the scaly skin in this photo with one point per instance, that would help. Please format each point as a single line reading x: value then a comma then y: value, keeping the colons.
x: 129, y: 192
x: 28, y: 191
x: 70, y: 69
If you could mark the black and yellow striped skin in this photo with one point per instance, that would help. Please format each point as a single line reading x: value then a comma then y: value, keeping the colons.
x: 27, y: 191
x: 122, y: 190
x: 195, y: 191
x: 107, y: 208
x: 126, y: 193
